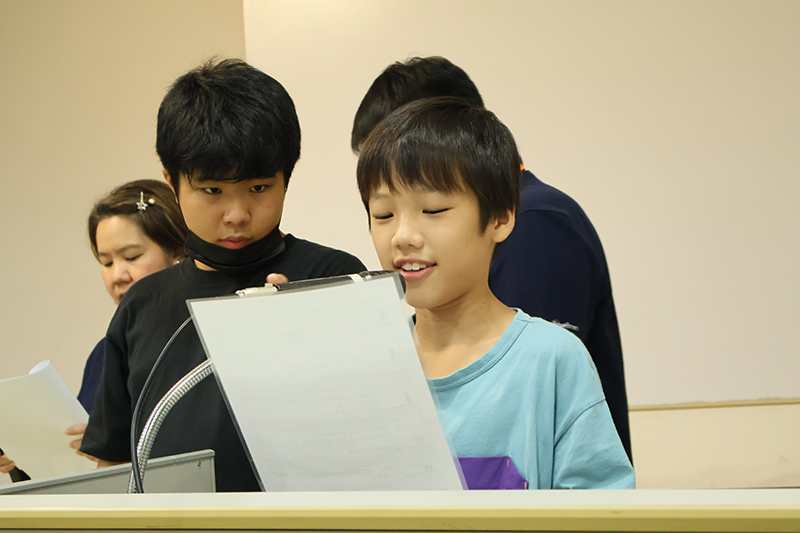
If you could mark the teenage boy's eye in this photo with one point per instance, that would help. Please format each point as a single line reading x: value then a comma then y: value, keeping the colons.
x: 435, y: 211
x: 382, y: 216
x: 259, y: 188
x: 212, y: 190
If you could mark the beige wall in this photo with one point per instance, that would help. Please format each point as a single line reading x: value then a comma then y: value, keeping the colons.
x: 723, y: 447
x: 80, y: 84
x: 674, y: 123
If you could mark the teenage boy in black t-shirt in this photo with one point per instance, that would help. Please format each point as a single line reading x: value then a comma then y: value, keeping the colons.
x: 228, y: 138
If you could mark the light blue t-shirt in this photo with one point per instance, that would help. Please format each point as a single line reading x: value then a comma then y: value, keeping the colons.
x: 536, y: 397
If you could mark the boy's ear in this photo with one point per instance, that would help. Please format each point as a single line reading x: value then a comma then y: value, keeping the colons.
x: 502, y: 226
x: 166, y: 177
x: 169, y: 182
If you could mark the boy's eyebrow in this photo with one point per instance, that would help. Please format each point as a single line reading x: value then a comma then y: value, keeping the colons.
x: 204, y: 182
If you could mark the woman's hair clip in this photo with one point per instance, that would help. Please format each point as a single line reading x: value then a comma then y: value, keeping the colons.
x: 141, y: 204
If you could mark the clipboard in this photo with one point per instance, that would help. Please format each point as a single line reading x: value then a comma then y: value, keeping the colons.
x: 326, y: 388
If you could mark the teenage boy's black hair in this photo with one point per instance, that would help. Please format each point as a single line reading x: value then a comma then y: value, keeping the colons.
x: 227, y: 121
x: 443, y: 144
x: 404, y: 82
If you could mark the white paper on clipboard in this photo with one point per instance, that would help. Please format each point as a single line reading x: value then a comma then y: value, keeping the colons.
x: 327, y: 389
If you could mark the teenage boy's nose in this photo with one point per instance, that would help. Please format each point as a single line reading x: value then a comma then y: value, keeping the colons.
x: 406, y: 233
x: 236, y: 213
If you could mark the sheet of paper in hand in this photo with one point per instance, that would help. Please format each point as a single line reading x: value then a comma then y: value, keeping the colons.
x: 37, y: 408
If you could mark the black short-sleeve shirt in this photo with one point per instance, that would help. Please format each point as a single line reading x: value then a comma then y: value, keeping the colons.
x: 145, y: 320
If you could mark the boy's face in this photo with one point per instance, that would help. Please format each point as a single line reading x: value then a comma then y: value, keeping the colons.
x: 232, y: 214
x: 434, y: 241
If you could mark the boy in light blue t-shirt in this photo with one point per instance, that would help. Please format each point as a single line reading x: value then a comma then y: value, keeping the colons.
x: 519, y: 397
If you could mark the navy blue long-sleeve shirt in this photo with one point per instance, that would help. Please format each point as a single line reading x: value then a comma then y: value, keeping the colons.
x: 553, y: 266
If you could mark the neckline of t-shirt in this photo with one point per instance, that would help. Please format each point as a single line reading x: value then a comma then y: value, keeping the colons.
x: 486, y: 361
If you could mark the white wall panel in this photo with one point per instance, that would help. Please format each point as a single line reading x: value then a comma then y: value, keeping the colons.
x: 675, y: 124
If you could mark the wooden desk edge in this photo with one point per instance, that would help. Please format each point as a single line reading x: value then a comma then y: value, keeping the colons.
x: 418, y: 518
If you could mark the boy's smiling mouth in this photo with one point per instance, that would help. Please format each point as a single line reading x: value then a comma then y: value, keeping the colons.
x: 413, y: 269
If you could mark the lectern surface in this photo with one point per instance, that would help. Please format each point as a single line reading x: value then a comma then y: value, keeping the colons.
x: 487, y: 511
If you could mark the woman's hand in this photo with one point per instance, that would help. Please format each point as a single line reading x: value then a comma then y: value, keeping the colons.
x: 79, y: 429
x: 6, y: 464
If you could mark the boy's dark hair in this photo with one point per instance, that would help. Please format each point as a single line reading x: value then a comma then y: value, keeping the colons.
x: 161, y: 220
x: 227, y: 121
x: 443, y: 144
x: 404, y: 82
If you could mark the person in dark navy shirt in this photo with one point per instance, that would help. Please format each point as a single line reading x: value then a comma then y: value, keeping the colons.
x: 135, y: 230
